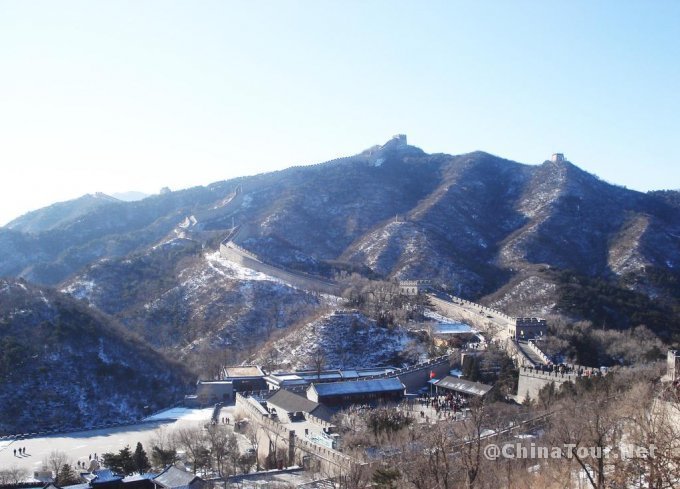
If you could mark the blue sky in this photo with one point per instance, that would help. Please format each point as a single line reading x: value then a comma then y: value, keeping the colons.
x: 116, y: 96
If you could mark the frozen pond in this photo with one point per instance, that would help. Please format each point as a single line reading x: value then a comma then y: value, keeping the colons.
x: 444, y: 325
x: 79, y: 446
x: 186, y: 414
x: 452, y: 328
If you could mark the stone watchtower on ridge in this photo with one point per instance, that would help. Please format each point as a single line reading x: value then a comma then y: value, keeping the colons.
x: 400, y: 139
x: 558, y: 158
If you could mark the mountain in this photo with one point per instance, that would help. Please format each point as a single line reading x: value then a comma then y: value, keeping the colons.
x: 65, y: 365
x: 59, y: 214
x: 478, y: 225
x: 50, y: 256
x: 130, y: 196
x: 181, y: 298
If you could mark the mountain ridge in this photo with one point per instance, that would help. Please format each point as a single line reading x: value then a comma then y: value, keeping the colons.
x: 472, y: 223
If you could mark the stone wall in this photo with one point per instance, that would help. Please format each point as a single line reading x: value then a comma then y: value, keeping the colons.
x: 416, y: 377
x: 517, y: 355
x: 531, y: 381
x: 472, y: 313
x: 272, y: 435
x: 235, y: 253
x: 534, y: 347
x: 497, y: 326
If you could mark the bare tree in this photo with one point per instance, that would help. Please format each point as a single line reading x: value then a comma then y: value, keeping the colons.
x: 55, y: 461
x: 216, y: 436
x: 652, y: 430
x: 163, y: 448
x: 233, y: 451
x: 318, y: 361
x: 12, y: 476
x: 584, y: 427
x: 193, y: 441
x: 252, y: 434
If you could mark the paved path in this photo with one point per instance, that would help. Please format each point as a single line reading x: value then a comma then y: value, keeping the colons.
x: 492, y: 322
x: 531, y: 354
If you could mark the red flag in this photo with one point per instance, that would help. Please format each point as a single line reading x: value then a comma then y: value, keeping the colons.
x: 432, y: 374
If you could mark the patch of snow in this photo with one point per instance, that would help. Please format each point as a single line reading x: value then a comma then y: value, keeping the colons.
x: 188, y: 222
x: 180, y: 236
x: 233, y: 270
x: 80, y: 289
x: 102, y: 356
x: 186, y: 414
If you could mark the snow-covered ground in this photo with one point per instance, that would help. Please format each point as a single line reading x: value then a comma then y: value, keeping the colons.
x: 233, y: 270
x: 346, y: 340
x: 80, y: 445
x: 452, y: 328
x: 448, y: 325
x: 183, y: 414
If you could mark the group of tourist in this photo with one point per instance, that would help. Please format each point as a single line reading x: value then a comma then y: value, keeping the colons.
x: 569, y: 369
x: 448, y: 404
x: 21, y: 451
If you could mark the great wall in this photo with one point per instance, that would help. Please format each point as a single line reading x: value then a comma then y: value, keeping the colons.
x: 233, y: 252
x: 496, y: 324
x: 272, y: 436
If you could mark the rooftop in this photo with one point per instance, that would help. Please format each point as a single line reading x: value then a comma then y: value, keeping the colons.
x: 358, y: 387
x: 243, y: 371
x: 291, y: 402
x: 295, y: 403
x: 464, y: 386
x: 306, y: 376
x: 174, y: 478
x: 104, y: 476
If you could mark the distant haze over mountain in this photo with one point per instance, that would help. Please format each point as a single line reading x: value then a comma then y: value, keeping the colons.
x: 130, y: 196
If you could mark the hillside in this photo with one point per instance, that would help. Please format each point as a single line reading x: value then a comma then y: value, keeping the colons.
x: 60, y: 214
x: 478, y: 225
x: 63, y: 365
x: 181, y: 298
x: 341, y: 340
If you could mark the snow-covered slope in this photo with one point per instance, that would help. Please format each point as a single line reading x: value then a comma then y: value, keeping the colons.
x: 344, y: 340
x: 63, y: 365
x: 193, y: 301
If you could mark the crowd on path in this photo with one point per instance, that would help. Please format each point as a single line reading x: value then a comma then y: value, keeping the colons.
x: 570, y: 370
x: 447, y: 405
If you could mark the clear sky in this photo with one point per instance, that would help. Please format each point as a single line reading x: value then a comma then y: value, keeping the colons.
x: 116, y: 96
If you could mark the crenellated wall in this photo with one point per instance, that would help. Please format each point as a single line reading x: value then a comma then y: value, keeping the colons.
x: 532, y: 380
x: 272, y: 435
x: 231, y: 251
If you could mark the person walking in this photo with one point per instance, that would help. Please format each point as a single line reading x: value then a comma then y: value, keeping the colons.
x: 15, y: 452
